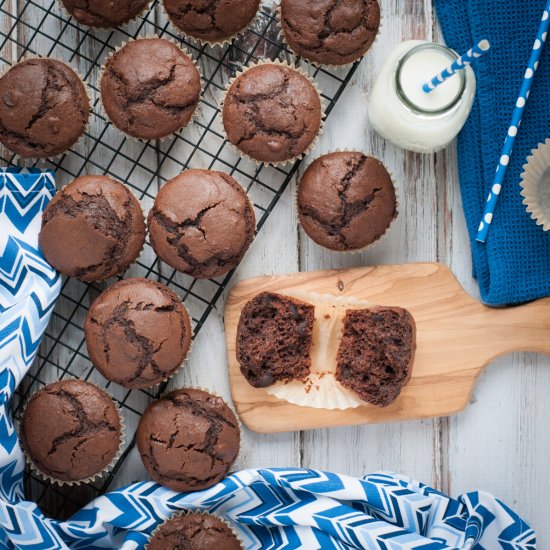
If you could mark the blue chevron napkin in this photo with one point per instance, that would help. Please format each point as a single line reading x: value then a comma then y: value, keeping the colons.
x: 28, y: 289
x: 269, y: 508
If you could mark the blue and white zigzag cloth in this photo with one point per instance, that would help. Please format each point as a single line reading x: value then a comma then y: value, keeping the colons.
x: 28, y: 289
x: 287, y: 509
x: 269, y: 508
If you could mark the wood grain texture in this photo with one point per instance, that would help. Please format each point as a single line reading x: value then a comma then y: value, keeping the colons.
x: 456, y: 338
x: 499, y: 443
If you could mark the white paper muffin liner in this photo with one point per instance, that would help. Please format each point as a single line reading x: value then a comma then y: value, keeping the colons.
x: 535, y: 183
x: 93, y: 477
x: 68, y: 14
x: 312, y: 145
x: 378, y: 242
x: 330, y: 66
x: 196, y: 512
x: 213, y: 43
x: 42, y: 160
x: 321, y: 390
x: 170, y: 136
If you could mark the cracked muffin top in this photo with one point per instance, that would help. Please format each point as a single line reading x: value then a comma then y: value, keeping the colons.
x: 211, y: 20
x: 44, y: 108
x: 188, y: 440
x: 71, y: 430
x: 194, y: 532
x: 346, y: 201
x: 104, y: 13
x: 150, y: 88
x: 92, y: 229
x: 138, y: 333
x: 330, y: 32
x: 202, y: 223
x: 272, y: 113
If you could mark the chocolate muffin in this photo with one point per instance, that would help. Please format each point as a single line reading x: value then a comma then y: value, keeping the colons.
x: 104, y: 13
x: 272, y: 113
x: 330, y: 32
x: 274, y: 339
x: 150, y: 88
x: 44, y: 108
x: 188, y: 440
x: 376, y: 353
x: 212, y: 21
x: 71, y: 430
x: 138, y: 333
x: 202, y: 223
x: 194, y: 531
x: 93, y: 229
x: 346, y: 201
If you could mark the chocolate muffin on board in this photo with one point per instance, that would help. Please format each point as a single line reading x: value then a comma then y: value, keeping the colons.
x: 92, y: 229
x: 202, y: 223
x: 194, y: 531
x: 272, y: 113
x: 138, y: 333
x: 211, y: 21
x: 150, y: 88
x: 105, y: 13
x: 330, y: 32
x: 346, y: 201
x: 376, y: 353
x: 44, y: 108
x: 188, y: 440
x: 274, y: 338
x: 71, y: 431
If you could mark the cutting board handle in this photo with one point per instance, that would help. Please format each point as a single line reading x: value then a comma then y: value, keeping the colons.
x: 519, y: 328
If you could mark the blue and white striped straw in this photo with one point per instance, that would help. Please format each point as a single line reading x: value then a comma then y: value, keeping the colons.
x: 457, y: 65
x: 514, y: 126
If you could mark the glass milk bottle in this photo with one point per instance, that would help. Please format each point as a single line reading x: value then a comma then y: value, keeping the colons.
x: 404, y: 114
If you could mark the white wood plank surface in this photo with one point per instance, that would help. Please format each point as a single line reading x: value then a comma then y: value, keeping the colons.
x: 500, y: 443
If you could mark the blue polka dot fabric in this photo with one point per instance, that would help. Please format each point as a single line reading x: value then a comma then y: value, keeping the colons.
x: 513, y: 266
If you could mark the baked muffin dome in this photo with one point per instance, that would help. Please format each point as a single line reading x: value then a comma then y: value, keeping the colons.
x: 202, y: 223
x: 328, y: 32
x: 346, y: 200
x: 92, y: 229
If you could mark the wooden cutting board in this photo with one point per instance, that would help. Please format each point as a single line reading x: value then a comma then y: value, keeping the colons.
x: 456, y: 336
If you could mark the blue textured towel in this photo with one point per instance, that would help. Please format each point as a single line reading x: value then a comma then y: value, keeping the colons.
x: 514, y: 265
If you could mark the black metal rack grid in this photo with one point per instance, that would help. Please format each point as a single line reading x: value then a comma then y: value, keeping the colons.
x: 41, y: 27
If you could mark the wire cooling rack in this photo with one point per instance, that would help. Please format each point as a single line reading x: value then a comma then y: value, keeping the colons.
x: 41, y: 27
